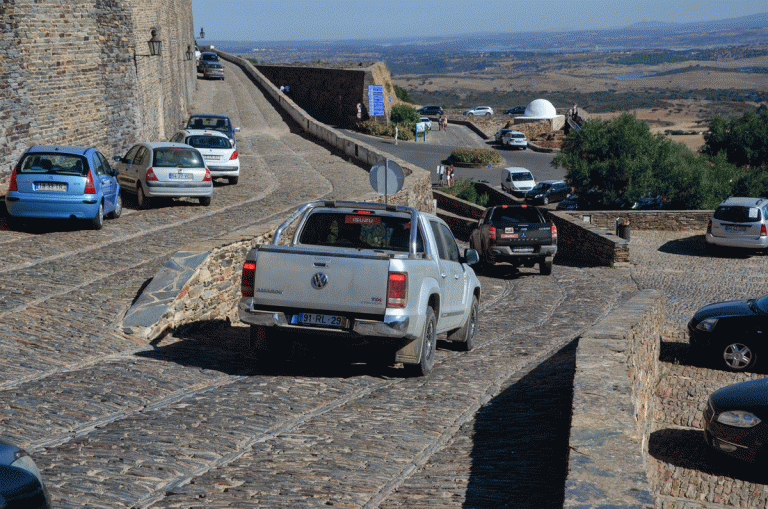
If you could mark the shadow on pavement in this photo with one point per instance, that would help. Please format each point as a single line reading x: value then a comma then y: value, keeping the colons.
x: 687, y: 449
x: 520, y: 449
x: 694, y: 246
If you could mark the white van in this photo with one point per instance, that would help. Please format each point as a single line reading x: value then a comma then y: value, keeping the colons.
x: 516, y: 181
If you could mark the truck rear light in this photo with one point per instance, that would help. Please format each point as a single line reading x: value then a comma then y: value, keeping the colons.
x: 90, y: 188
x: 492, y: 233
x: 397, y: 290
x: 709, y: 226
x: 233, y: 156
x: 13, y: 186
x: 247, y: 279
x: 151, y: 175
x: 554, y: 232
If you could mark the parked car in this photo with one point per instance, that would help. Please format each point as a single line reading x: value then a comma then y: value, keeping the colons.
x: 21, y: 485
x: 514, y: 139
x: 516, y: 234
x: 547, y: 191
x: 219, y: 123
x: 388, y: 275
x: 63, y: 182
x: 218, y: 151
x: 205, y: 57
x: 730, y: 334
x: 501, y: 132
x: 432, y: 110
x: 515, y: 110
x: 165, y: 169
x: 738, y: 223
x: 591, y: 200
x: 213, y: 70
x: 479, y: 110
x: 736, y: 419
x: 427, y: 121
x: 516, y: 181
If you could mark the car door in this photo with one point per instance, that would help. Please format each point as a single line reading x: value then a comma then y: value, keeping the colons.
x: 106, y: 180
x: 125, y: 177
x: 451, y: 278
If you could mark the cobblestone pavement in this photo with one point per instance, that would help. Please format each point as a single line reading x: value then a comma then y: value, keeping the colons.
x: 186, y: 422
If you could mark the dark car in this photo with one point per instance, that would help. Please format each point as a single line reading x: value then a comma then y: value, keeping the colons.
x: 219, y: 123
x: 516, y: 110
x: 547, y: 191
x: 591, y: 200
x: 515, y: 234
x: 206, y: 57
x: 736, y: 419
x: 730, y: 333
x: 20, y: 482
x: 430, y: 110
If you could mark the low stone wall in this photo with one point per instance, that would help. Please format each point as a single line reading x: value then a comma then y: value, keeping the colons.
x: 659, y: 220
x: 586, y: 243
x: 616, y: 373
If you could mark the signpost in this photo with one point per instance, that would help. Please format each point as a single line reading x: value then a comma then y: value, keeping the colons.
x: 386, y: 178
x: 375, y: 100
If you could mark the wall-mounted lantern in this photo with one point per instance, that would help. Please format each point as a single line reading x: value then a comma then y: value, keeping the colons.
x: 155, y: 44
x: 189, y: 52
x: 202, y: 34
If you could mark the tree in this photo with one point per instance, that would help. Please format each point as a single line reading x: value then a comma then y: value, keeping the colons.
x: 404, y: 114
x: 744, y: 140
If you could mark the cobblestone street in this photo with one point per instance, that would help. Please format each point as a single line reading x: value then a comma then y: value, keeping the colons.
x: 186, y: 422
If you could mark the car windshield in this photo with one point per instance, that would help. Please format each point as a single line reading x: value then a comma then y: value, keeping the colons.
x: 762, y: 304
x: 172, y: 157
x: 217, y: 123
x: 541, y: 186
x: 517, y: 135
x: 509, y: 216
x: 204, y: 141
x: 517, y: 177
x: 363, y: 231
x: 63, y: 164
x: 210, y: 56
x: 737, y: 214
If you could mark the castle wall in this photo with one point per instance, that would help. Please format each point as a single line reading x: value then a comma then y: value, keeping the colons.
x: 78, y: 72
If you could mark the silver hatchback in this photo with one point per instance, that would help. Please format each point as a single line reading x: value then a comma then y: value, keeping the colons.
x: 165, y: 169
x: 739, y: 223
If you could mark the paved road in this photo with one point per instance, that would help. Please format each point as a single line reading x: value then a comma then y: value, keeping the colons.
x: 185, y: 422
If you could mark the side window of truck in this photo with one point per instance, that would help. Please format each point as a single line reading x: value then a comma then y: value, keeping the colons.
x: 446, y: 244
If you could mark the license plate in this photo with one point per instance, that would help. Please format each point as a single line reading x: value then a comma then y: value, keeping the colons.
x: 509, y: 235
x: 180, y: 176
x: 319, y: 319
x: 51, y: 186
x: 522, y: 250
x: 733, y: 228
x: 212, y: 157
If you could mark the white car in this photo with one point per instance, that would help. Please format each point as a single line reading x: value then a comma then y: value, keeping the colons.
x: 514, y: 139
x: 427, y: 121
x: 516, y: 181
x: 218, y: 151
x: 479, y: 110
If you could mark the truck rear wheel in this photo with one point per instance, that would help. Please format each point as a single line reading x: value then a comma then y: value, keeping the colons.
x: 265, y: 346
x: 466, y: 334
x: 428, y: 347
x: 545, y: 267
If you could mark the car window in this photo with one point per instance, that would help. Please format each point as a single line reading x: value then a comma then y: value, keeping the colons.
x: 104, y: 162
x: 506, y: 217
x: 737, y: 214
x: 363, y: 231
x: 209, y: 142
x: 171, y: 157
x: 63, y: 164
x: 131, y: 154
x: 142, y: 157
x: 99, y: 168
x: 517, y: 177
x: 452, y: 250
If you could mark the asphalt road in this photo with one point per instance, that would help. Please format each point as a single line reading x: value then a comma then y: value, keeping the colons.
x: 186, y: 422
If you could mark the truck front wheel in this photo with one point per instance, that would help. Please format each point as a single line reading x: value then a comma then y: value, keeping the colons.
x: 428, y: 347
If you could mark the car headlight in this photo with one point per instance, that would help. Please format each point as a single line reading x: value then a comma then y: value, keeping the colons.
x: 738, y: 419
x: 707, y: 324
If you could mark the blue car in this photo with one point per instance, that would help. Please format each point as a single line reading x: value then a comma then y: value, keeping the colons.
x: 54, y: 182
x: 20, y: 482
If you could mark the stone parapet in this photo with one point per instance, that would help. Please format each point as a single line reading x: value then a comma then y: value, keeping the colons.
x: 616, y: 374
x: 587, y: 243
x: 658, y: 220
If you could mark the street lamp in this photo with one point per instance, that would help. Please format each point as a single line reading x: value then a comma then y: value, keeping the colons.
x: 189, y: 52
x: 202, y: 34
x: 155, y: 44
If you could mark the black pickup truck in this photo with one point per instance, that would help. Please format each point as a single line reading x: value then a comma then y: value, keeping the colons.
x: 516, y: 234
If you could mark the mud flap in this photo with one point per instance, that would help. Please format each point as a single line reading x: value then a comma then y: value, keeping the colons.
x: 410, y: 353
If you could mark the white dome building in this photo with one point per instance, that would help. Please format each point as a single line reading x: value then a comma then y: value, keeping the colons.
x: 541, y: 109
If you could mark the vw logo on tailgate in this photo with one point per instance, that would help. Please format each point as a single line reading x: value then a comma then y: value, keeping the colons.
x: 319, y: 280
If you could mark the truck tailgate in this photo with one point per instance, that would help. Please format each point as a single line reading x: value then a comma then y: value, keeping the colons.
x: 523, y: 234
x: 349, y: 281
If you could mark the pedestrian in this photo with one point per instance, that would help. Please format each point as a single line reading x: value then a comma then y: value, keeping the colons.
x: 441, y: 174
x: 445, y: 122
x: 449, y: 175
x: 396, y: 135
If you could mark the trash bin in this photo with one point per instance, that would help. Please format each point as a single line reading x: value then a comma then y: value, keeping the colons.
x: 622, y: 228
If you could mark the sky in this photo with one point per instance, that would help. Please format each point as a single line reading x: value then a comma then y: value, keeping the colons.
x: 301, y: 20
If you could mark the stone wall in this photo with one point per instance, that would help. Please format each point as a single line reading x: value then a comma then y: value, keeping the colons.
x: 658, y: 220
x: 616, y: 374
x: 587, y: 243
x: 331, y: 95
x: 78, y: 72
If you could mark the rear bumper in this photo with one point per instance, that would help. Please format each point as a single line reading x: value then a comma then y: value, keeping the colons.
x: 396, y: 326
x: 50, y: 206
x: 739, y: 242
x: 154, y: 189
x: 502, y: 252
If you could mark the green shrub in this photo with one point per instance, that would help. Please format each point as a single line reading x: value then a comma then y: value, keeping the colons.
x: 404, y: 114
x: 465, y: 189
x: 404, y: 133
x: 403, y: 95
x: 478, y: 156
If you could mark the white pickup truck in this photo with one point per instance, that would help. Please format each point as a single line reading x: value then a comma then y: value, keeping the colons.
x: 388, y: 274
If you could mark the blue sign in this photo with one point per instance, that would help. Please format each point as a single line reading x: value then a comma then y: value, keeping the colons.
x: 375, y: 100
